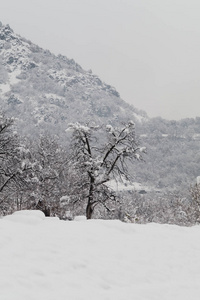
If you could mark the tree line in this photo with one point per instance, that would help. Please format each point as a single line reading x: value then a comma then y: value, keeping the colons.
x: 43, y: 175
x: 62, y: 182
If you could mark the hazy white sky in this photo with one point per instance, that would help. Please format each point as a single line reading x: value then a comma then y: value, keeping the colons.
x: 148, y: 49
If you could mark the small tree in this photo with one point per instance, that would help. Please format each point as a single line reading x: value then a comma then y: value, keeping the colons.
x: 195, y: 203
x: 97, y: 164
x: 50, y: 160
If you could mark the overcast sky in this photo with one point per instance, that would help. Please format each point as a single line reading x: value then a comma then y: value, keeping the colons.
x: 149, y: 50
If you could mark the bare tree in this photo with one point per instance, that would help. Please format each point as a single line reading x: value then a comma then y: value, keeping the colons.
x: 97, y: 163
x: 13, y: 169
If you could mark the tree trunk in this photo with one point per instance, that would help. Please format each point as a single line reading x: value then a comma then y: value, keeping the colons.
x: 89, y: 208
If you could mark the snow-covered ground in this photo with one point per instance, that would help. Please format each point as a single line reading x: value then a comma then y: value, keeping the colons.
x: 127, y: 186
x: 48, y: 259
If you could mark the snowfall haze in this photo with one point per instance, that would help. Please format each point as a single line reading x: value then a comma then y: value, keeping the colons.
x: 148, y: 50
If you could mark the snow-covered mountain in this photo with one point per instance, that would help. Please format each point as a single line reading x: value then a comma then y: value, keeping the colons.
x: 44, y: 91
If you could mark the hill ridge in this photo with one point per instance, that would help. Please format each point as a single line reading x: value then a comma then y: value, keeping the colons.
x: 53, y: 90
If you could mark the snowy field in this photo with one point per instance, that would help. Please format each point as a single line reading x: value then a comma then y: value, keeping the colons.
x: 48, y: 259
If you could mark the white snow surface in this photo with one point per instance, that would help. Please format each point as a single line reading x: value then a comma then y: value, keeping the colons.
x: 48, y: 259
x: 4, y: 87
x: 126, y: 186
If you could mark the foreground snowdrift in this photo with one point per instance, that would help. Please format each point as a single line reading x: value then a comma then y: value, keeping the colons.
x: 47, y: 259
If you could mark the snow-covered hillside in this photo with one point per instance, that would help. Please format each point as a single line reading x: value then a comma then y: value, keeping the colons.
x: 48, y: 259
x: 45, y: 91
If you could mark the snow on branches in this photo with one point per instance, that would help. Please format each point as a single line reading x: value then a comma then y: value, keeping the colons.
x: 100, y: 160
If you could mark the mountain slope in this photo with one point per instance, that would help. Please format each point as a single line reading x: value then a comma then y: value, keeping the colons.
x: 45, y: 91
